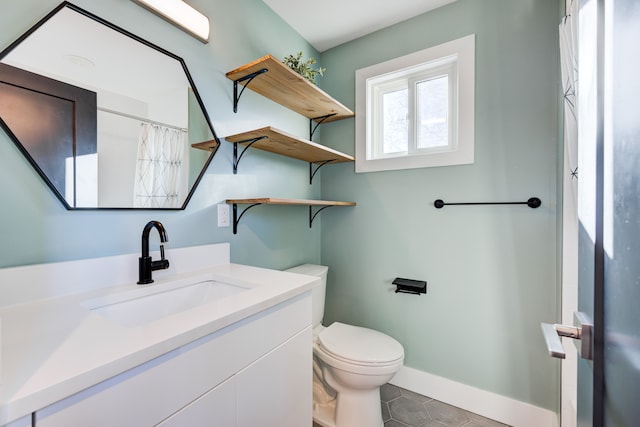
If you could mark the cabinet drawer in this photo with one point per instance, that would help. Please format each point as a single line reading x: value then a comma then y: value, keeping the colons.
x: 217, y: 408
x: 151, y: 392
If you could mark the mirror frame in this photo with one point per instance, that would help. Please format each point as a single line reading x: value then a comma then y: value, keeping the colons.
x: 23, y: 150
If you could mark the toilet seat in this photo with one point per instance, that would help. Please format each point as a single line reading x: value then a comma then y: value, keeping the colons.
x: 365, y: 369
x: 359, y: 346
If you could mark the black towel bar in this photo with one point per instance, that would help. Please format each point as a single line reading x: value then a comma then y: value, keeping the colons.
x: 533, y: 203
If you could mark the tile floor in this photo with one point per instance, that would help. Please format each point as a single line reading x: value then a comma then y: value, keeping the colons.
x: 404, y: 408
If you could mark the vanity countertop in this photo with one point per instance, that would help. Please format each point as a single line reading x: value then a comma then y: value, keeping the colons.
x: 54, y: 347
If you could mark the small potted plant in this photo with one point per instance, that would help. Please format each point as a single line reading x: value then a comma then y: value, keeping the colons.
x: 303, y: 68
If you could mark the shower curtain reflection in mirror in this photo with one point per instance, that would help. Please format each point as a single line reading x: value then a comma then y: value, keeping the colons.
x: 161, y: 176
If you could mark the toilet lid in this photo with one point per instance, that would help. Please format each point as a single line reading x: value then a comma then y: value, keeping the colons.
x: 360, y: 344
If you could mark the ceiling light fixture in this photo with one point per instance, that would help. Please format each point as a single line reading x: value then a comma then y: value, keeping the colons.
x: 181, y: 14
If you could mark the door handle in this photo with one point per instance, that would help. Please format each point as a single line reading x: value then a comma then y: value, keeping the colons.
x: 583, y: 331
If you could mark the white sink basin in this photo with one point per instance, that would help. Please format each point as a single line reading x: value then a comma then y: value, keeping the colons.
x: 145, y: 305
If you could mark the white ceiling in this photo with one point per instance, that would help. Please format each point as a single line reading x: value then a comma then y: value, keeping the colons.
x: 329, y: 23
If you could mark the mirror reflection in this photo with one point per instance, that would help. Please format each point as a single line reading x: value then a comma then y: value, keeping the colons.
x: 107, y: 119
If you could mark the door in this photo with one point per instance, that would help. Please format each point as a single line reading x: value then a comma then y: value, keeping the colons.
x: 63, y: 129
x: 609, y: 211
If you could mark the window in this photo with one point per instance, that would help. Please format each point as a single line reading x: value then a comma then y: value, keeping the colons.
x: 417, y: 110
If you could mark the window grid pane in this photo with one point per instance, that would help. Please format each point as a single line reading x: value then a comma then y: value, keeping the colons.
x: 395, y: 124
x: 432, y: 113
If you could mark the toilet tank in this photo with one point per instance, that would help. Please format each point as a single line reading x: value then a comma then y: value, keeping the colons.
x: 318, y: 293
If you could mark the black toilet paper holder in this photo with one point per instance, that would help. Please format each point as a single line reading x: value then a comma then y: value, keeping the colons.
x: 410, y: 286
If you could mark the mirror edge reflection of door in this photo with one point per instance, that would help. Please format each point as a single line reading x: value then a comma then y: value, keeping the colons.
x: 193, y: 177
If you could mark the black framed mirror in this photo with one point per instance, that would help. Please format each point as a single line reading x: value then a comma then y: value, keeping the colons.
x: 108, y: 119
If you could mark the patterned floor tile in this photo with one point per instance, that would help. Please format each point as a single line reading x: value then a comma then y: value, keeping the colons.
x: 447, y: 414
x: 404, y: 408
x: 483, y: 422
x: 388, y: 392
x: 408, y: 411
x: 438, y: 414
x: 386, y: 416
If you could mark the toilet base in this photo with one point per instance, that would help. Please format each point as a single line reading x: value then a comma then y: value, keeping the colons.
x: 324, y: 416
x: 348, y: 409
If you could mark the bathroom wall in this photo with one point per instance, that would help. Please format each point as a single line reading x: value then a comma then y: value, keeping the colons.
x: 35, y: 227
x: 491, y: 270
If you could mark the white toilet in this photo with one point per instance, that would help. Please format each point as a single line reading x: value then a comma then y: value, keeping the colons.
x: 350, y: 364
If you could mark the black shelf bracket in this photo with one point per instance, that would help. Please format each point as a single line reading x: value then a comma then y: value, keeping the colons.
x: 533, y: 203
x: 313, y: 215
x: 248, y: 77
x: 318, y: 120
x: 236, y: 217
x: 313, y: 172
x: 236, y: 158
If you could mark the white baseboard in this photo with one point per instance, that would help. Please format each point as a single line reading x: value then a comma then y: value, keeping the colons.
x: 500, y: 408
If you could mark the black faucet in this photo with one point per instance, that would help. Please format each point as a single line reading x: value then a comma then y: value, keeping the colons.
x: 146, y: 264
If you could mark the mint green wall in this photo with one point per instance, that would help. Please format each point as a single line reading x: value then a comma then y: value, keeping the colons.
x: 491, y: 270
x: 34, y: 226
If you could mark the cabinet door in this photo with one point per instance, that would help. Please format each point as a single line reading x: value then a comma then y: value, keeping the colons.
x: 217, y: 408
x: 276, y: 390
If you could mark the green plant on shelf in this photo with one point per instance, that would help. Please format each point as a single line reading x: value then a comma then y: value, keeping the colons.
x: 303, y: 68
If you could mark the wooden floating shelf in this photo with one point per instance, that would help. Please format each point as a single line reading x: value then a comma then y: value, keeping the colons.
x: 289, y: 89
x: 323, y: 204
x: 206, y: 145
x: 295, y: 202
x: 279, y: 142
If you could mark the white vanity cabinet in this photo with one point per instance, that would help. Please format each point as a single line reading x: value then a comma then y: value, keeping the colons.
x: 256, y: 371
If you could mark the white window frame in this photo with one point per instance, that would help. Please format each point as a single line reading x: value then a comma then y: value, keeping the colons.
x: 455, y: 59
